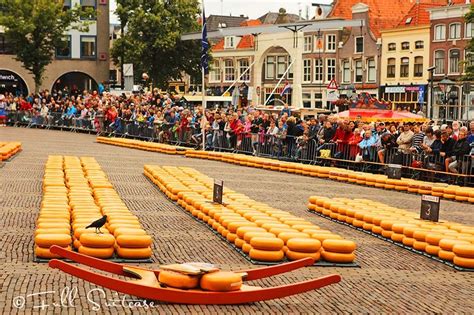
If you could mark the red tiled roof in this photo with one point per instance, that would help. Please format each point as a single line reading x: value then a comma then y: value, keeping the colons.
x: 383, y: 14
x: 246, y: 42
x: 251, y: 23
x: 418, y: 15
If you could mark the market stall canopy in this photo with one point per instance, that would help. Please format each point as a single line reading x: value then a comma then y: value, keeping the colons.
x: 380, y: 115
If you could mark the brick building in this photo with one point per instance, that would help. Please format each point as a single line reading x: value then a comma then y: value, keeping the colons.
x: 82, y: 65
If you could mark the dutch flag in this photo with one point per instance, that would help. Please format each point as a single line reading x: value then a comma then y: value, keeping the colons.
x: 286, y: 89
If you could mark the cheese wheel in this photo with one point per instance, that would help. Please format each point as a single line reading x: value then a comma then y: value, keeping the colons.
x: 239, y: 242
x: 53, y: 225
x: 79, y: 231
x: 231, y: 237
x: 221, y: 281
x: 76, y: 243
x: 265, y: 255
x: 408, y: 241
x: 387, y: 233
x: 463, y: 262
x: 97, y: 240
x: 434, y: 238
x: 244, y: 229
x: 419, y: 245
x: 396, y: 237
x: 103, y: 253
x: 285, y: 236
x: 249, y: 235
x: 178, y: 280
x: 128, y: 231
x: 446, y: 255
x: 134, y: 241
x: 134, y: 253
x: 113, y: 227
x: 267, y: 243
x: 293, y: 255
x: 246, y: 247
x: 432, y: 249
x: 52, y: 231
x: 304, y: 245
x: 43, y: 252
x: 326, y: 236
x: 464, y: 250
x: 339, y: 246
x: 337, y: 257
x: 448, y: 244
x: 47, y: 240
x: 277, y: 230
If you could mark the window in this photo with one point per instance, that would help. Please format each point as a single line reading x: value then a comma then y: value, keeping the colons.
x: 270, y: 68
x: 439, y: 62
x: 4, y: 46
x: 229, y: 71
x: 359, y: 45
x: 358, y: 71
x: 88, y: 46
x: 306, y: 70
x: 468, y: 33
x: 306, y: 100
x: 229, y: 42
x: 318, y: 43
x: 281, y: 66
x: 454, y: 56
x: 404, y: 66
x: 391, y: 68
x: 113, y: 75
x: 215, y: 71
x: 88, y: 5
x: 346, y: 71
x: 318, y: 103
x: 331, y: 43
x: 392, y: 46
x: 243, y: 66
x: 64, y: 50
x: 318, y: 70
x: 455, y: 31
x: 66, y: 5
x: 418, y: 69
x: 440, y: 32
x: 371, y: 72
x: 330, y: 69
x: 405, y: 46
x: 308, y: 43
x: 419, y: 44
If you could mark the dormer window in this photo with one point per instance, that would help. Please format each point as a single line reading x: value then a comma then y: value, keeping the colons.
x: 222, y: 25
x: 230, y: 42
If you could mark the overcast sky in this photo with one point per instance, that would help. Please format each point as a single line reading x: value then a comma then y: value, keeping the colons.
x: 251, y: 8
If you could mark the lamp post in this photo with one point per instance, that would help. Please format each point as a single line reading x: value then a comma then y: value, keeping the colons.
x: 429, y: 111
x: 445, y: 86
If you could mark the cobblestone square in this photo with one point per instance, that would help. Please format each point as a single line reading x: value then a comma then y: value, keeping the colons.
x: 390, y: 279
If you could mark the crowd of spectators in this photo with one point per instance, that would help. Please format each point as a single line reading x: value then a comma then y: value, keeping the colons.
x: 167, y: 118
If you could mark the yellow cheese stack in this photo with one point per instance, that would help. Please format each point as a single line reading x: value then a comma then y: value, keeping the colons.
x: 9, y: 149
x: 52, y: 225
x: 260, y: 231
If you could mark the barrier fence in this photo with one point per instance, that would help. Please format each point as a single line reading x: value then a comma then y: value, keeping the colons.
x: 430, y: 167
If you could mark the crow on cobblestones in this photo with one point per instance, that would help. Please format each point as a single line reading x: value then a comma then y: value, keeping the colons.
x: 97, y: 224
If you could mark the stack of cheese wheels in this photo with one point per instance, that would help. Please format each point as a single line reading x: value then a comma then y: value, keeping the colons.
x: 53, y: 226
x: 338, y: 251
x: 143, y: 145
x: 131, y: 240
x: 84, y: 212
x: 9, y: 149
x: 434, y: 238
x: 464, y: 255
x: 258, y: 230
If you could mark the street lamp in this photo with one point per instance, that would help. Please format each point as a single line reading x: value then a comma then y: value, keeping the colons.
x: 429, y: 111
x: 445, y: 86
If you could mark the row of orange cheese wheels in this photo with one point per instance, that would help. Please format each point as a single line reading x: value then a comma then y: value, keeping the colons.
x: 260, y: 231
x: 8, y: 149
x: 123, y: 232
x: 53, y: 223
x: 143, y: 145
x: 450, y: 241
x: 446, y: 191
x: 452, y: 192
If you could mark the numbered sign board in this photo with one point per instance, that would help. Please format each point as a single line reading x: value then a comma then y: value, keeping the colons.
x: 429, y: 208
x: 218, y: 191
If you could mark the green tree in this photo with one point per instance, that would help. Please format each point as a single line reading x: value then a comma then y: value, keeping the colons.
x: 469, y: 63
x: 36, y: 28
x: 151, y: 40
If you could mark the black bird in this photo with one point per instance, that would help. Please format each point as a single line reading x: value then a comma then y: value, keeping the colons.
x: 97, y: 224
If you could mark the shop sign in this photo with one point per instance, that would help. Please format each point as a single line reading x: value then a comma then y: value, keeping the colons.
x: 395, y: 89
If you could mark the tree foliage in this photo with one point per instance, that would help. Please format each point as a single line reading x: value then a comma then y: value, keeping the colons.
x: 35, y: 28
x: 469, y: 63
x: 152, y: 38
